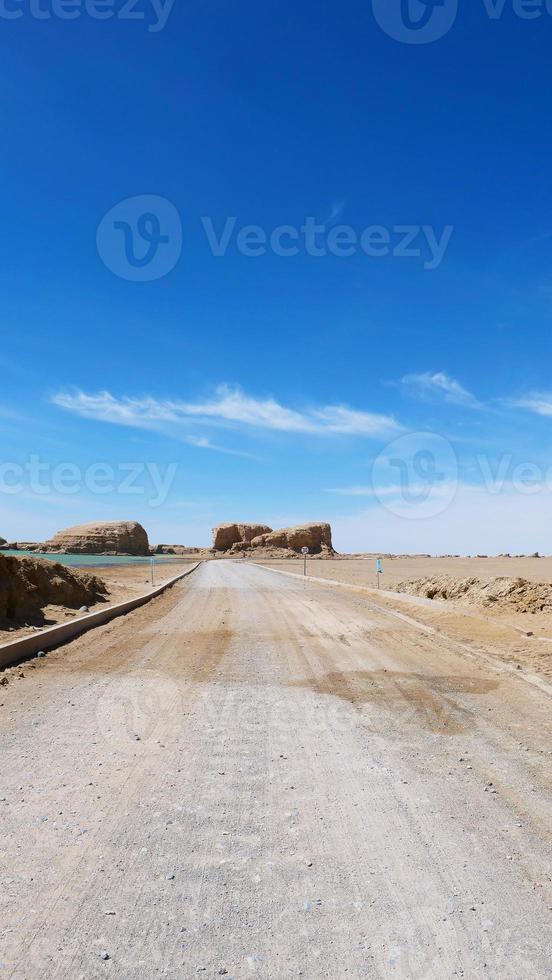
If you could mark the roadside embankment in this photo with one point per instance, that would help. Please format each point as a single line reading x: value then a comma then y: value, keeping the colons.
x: 520, y: 640
x: 53, y: 636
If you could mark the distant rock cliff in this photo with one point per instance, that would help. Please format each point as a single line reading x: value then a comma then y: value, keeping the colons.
x: 226, y: 535
x: 107, y: 538
x: 287, y: 542
x: 317, y: 537
x: 20, y: 545
x: 176, y: 549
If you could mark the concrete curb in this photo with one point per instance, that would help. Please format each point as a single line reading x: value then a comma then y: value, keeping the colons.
x: 54, y: 636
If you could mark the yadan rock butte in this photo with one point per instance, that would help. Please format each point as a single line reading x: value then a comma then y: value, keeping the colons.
x: 105, y: 538
x: 234, y: 538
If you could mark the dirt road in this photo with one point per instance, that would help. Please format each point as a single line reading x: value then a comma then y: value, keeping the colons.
x: 257, y: 777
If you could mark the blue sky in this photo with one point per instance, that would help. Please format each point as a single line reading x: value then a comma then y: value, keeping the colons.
x: 269, y: 386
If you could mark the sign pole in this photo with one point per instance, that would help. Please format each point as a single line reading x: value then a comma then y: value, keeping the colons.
x: 152, y: 561
x: 305, y: 552
x: 379, y: 570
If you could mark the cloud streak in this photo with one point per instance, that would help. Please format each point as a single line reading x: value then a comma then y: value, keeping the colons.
x: 540, y: 403
x: 438, y: 384
x: 230, y: 407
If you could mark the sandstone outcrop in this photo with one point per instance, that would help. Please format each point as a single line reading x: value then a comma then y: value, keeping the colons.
x: 287, y: 542
x: 316, y: 537
x: 174, y: 549
x: 226, y: 535
x: 29, y: 584
x: 101, y: 538
x: 21, y: 546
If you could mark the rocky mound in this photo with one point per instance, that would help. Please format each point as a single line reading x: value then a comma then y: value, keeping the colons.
x: 108, y: 538
x: 316, y: 537
x: 235, y: 539
x: 2, y: 542
x: 227, y: 535
x: 174, y: 549
x: 27, y: 585
x: 514, y: 594
x: 21, y: 546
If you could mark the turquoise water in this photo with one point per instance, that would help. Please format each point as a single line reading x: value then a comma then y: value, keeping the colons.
x: 92, y: 561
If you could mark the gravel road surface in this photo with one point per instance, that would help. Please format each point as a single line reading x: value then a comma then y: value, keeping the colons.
x: 255, y: 776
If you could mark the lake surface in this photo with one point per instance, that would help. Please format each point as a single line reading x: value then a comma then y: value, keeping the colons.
x: 95, y: 561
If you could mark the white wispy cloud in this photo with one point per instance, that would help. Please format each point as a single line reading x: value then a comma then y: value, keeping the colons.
x: 538, y: 402
x: 201, y: 442
x: 441, y: 385
x: 104, y: 407
x: 228, y: 406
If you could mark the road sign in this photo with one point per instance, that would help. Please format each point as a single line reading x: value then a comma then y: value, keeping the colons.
x: 379, y: 570
x: 304, y: 551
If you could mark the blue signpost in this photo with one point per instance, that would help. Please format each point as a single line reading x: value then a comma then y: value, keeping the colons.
x: 379, y: 570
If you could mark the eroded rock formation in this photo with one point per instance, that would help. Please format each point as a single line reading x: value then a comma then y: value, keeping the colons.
x: 317, y: 537
x: 20, y: 546
x: 504, y: 592
x: 29, y: 584
x: 238, y: 538
x: 106, y: 538
x: 174, y: 549
x: 226, y: 535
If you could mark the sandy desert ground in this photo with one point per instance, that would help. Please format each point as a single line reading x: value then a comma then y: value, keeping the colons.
x: 125, y: 581
x: 362, y: 571
x: 499, y: 632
